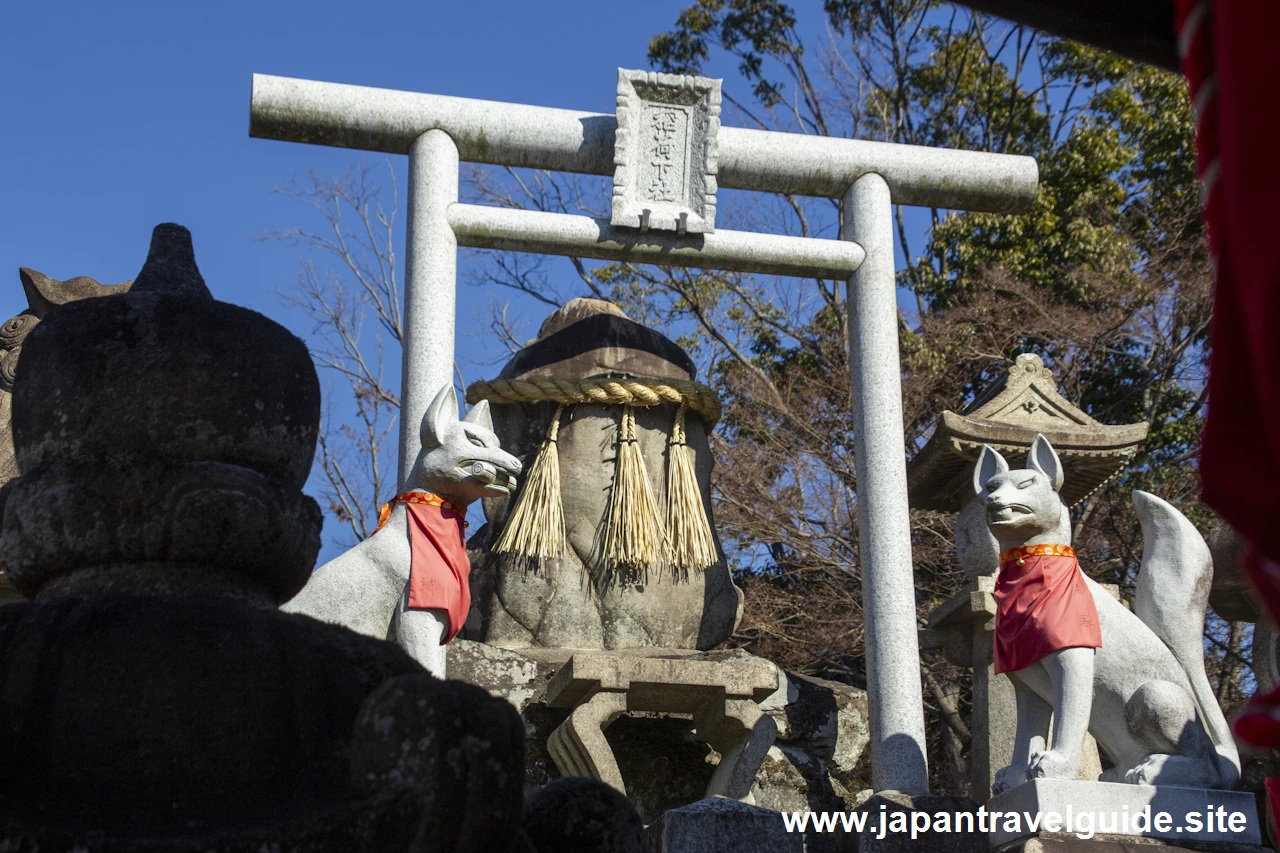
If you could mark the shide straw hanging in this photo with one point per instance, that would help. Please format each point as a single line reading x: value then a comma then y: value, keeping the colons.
x: 634, y: 533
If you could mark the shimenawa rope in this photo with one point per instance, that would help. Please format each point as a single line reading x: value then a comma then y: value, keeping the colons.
x: 634, y: 534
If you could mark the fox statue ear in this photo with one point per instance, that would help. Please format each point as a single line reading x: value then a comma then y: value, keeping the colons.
x: 1044, y: 458
x: 989, y: 464
x: 480, y: 415
x: 442, y: 412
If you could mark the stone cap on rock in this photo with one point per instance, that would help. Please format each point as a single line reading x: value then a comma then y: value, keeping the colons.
x: 592, y: 338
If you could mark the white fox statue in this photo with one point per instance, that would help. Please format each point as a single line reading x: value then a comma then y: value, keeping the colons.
x: 1143, y: 693
x: 368, y: 589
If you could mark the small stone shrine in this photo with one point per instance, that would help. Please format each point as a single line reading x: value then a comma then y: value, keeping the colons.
x: 1007, y: 416
x: 151, y: 696
x: 600, y: 639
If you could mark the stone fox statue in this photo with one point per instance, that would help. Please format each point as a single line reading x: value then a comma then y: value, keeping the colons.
x: 1075, y: 655
x: 409, y: 581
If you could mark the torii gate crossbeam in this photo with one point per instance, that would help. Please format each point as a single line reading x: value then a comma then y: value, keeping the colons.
x: 438, y: 132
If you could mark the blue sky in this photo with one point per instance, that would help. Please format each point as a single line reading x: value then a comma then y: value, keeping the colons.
x: 119, y: 116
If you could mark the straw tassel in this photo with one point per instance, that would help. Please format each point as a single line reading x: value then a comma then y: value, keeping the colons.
x: 535, y: 527
x: 633, y: 534
x: 692, y: 546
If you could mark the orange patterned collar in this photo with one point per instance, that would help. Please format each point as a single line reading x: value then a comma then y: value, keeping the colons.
x: 1018, y: 554
x: 419, y: 497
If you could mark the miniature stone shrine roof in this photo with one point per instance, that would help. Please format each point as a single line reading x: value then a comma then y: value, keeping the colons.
x: 1008, y: 416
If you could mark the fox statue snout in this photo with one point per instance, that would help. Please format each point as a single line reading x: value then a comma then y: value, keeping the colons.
x: 462, y: 459
x: 1023, y: 507
x: 1080, y: 661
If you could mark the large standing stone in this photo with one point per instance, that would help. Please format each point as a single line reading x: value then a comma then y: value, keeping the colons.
x: 1109, y: 809
x: 151, y: 697
x: 578, y: 602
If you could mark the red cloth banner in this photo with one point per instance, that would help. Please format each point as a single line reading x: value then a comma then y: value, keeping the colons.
x: 440, y: 572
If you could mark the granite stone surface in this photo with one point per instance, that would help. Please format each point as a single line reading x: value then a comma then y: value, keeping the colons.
x: 720, y: 825
x: 1108, y: 804
x: 818, y: 761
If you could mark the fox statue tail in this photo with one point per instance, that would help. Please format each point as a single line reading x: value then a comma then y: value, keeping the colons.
x: 1171, y: 598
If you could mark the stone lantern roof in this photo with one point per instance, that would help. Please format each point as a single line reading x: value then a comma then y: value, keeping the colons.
x: 1008, y: 416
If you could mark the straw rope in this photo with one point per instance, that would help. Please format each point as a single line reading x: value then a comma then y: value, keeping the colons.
x: 609, y: 392
x: 535, y: 527
x: 690, y: 542
x: 633, y: 532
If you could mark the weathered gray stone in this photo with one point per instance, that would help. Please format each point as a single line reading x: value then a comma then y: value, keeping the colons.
x: 820, y: 759
x: 154, y: 698
x: 892, y: 825
x: 1111, y: 806
x: 722, y: 697
x: 578, y: 815
x: 43, y: 295
x: 721, y: 825
x: 665, y: 152
x: 820, y: 754
x: 578, y: 602
x: 1022, y: 403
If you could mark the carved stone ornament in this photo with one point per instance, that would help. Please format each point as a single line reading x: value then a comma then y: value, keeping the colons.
x: 665, y: 153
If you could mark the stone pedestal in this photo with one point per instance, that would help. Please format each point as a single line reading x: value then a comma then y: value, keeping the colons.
x: 723, y: 698
x: 1176, y: 814
x: 818, y: 762
x: 721, y: 825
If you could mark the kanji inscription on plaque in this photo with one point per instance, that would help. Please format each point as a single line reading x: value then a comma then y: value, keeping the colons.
x: 665, y: 153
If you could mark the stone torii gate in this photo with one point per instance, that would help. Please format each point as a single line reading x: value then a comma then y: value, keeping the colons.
x: 438, y: 132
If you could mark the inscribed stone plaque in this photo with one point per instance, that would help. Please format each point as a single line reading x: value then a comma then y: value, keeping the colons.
x: 665, y: 153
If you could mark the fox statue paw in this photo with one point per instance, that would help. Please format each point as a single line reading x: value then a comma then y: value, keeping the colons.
x: 1052, y: 765
x: 1009, y: 777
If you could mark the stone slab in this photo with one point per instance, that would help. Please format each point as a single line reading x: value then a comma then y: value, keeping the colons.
x: 1107, y: 804
x: 720, y: 825
x: 1144, y: 845
x: 892, y: 826
x: 672, y: 684
x: 665, y: 152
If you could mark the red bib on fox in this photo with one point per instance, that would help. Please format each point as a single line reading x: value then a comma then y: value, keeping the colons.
x: 1042, y: 606
x: 439, y: 573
